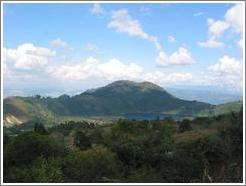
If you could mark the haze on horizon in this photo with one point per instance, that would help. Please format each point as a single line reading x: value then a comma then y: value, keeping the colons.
x: 69, y: 48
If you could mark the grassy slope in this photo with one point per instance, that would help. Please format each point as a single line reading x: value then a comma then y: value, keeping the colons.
x: 222, y: 109
x: 26, y: 109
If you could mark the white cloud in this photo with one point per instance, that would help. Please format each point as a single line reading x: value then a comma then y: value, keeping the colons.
x: 97, y: 9
x: 15, y: 75
x: 233, y: 20
x: 226, y: 65
x: 240, y: 43
x: 217, y: 28
x: 122, y: 22
x: 180, y: 57
x: 78, y: 71
x: 59, y: 43
x: 235, y: 16
x: 91, y: 48
x: 226, y: 73
x: 165, y: 79
x: 171, y: 39
x: 113, y: 70
x: 211, y: 43
x: 28, y: 56
x: 156, y: 43
x: 198, y: 14
x: 91, y: 68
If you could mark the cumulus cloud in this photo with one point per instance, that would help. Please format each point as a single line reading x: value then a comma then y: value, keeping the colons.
x: 217, y: 28
x: 12, y: 74
x: 227, y: 72
x: 235, y: 17
x: 226, y: 65
x: 181, y: 57
x: 97, y: 9
x: 28, y: 56
x: 122, y: 22
x: 233, y: 20
x: 113, y: 70
x: 79, y: 71
x: 59, y: 43
x: 171, y: 39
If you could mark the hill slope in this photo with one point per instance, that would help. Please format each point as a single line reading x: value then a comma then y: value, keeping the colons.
x: 235, y: 106
x: 117, y: 98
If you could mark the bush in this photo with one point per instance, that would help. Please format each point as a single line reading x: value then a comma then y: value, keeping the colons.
x: 81, y: 140
x: 94, y: 165
x: 26, y: 147
x: 185, y: 125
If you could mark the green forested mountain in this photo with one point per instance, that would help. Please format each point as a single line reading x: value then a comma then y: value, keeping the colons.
x: 120, y: 97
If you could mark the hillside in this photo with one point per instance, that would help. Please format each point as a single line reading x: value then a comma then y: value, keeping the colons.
x: 235, y: 106
x: 117, y: 98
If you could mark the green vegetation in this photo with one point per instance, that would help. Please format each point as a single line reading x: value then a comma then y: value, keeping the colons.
x: 222, y: 109
x: 115, y: 99
x: 205, y: 149
x: 184, y: 125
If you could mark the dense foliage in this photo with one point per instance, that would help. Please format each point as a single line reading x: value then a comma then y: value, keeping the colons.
x: 198, y: 150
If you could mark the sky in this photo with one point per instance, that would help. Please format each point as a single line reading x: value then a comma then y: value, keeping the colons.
x: 52, y: 49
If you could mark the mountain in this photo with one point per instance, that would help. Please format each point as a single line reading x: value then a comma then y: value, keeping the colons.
x: 117, y: 98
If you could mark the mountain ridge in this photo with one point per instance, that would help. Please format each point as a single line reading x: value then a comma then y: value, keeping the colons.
x: 116, y: 98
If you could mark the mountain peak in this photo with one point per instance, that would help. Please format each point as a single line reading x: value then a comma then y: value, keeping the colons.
x: 121, y: 82
x: 143, y: 85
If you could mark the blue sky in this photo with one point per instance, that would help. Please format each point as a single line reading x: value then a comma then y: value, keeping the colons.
x: 55, y: 48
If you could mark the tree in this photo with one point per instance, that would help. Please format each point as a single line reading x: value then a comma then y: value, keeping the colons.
x: 41, y: 170
x: 144, y: 175
x: 47, y: 170
x: 39, y: 128
x: 81, y: 140
x: 5, y: 139
x: 27, y: 146
x: 93, y: 165
x: 185, y: 125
